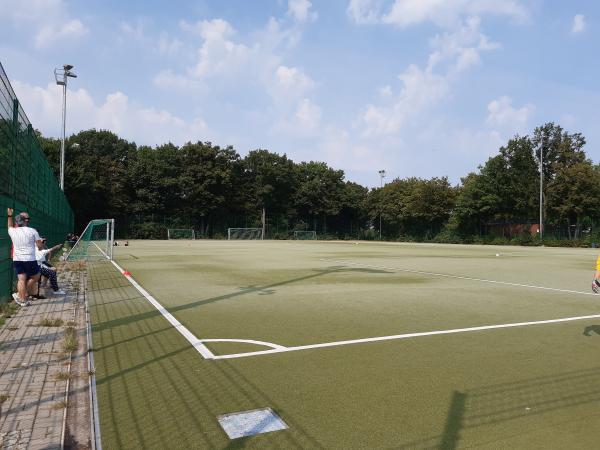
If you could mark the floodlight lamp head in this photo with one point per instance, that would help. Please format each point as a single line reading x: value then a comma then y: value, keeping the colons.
x: 67, y: 67
x: 59, y: 76
x: 70, y: 74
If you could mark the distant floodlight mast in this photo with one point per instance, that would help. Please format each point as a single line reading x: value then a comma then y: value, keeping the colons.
x: 542, y: 188
x: 381, y: 176
x: 61, y: 76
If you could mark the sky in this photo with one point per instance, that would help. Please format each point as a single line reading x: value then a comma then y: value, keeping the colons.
x: 424, y: 88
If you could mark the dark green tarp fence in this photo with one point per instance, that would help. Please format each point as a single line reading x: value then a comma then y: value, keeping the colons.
x: 27, y: 182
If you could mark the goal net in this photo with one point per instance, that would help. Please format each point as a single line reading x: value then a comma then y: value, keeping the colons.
x: 305, y: 235
x: 96, y: 242
x: 181, y: 233
x: 244, y: 233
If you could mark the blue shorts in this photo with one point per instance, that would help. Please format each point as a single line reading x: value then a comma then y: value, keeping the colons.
x: 29, y: 268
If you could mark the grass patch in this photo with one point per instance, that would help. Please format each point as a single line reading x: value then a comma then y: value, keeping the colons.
x: 57, y: 322
x: 7, y: 310
x: 13, y: 328
x: 3, y: 398
x: 70, y: 343
x: 60, y: 405
x: 70, y: 323
x: 62, y: 376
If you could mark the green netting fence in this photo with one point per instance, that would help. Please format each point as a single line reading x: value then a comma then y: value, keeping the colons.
x: 27, y: 182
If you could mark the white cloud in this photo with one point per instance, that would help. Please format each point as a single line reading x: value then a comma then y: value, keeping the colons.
x: 422, y: 89
x: 300, y: 10
x: 48, y: 20
x: 461, y: 47
x: 502, y: 114
x: 365, y: 11
x: 51, y: 34
x: 163, y: 44
x: 444, y: 13
x: 305, y: 122
x: 145, y: 125
x: 578, y: 24
x: 219, y: 54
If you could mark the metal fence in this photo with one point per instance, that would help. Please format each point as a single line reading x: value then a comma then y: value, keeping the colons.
x: 27, y: 182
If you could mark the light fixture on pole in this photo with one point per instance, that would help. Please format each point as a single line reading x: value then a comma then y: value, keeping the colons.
x: 61, y: 76
x: 381, y: 176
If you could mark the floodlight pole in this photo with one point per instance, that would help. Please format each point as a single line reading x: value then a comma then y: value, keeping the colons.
x: 541, y: 187
x: 381, y: 176
x: 61, y: 76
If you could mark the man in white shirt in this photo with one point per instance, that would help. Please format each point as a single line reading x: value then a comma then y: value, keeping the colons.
x: 25, y: 240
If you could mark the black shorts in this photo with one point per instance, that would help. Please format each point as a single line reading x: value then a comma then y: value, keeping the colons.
x: 29, y: 268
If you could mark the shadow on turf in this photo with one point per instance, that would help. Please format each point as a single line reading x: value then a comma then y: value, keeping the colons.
x: 591, y: 329
x: 261, y: 290
x: 503, y: 403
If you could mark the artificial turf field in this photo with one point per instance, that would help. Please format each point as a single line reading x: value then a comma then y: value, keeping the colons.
x: 529, y: 386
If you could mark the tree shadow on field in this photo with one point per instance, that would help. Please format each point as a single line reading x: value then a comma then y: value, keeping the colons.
x: 473, y: 410
x: 260, y: 290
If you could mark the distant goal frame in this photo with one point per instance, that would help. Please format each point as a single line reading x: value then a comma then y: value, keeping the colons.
x: 233, y: 232
x: 170, y: 237
x: 311, y: 233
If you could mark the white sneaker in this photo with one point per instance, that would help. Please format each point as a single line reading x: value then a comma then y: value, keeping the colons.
x: 59, y: 292
x: 18, y: 301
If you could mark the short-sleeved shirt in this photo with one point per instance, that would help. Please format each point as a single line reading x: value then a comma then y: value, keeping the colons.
x: 598, y: 263
x: 24, y: 243
x: 40, y: 255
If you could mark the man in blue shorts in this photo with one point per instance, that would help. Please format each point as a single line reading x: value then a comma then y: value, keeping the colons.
x: 25, y: 240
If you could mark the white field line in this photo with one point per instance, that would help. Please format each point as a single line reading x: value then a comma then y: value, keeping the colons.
x: 459, y: 277
x: 276, y: 348
x: 196, y: 343
x: 403, y: 336
x: 247, y: 341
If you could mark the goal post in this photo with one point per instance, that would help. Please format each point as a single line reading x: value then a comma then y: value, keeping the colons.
x: 181, y: 233
x: 305, y: 235
x: 95, y: 243
x: 244, y: 233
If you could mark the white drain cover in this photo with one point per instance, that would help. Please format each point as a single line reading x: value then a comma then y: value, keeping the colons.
x: 249, y: 423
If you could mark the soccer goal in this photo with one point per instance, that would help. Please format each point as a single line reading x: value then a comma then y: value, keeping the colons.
x: 181, y: 233
x: 96, y: 242
x: 305, y: 235
x: 244, y: 233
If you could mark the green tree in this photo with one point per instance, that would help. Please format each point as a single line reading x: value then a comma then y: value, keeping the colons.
x: 319, y: 192
x: 269, y: 180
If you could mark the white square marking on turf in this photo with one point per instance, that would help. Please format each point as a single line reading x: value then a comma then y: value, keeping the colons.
x: 248, y: 423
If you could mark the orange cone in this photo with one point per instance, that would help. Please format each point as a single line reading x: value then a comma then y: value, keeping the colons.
x: 126, y: 273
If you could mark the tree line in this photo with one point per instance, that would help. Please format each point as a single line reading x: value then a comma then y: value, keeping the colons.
x: 210, y: 188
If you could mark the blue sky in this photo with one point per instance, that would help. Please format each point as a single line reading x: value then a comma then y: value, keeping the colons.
x: 416, y: 87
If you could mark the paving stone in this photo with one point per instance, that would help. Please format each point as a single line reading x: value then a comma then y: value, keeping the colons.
x: 30, y: 358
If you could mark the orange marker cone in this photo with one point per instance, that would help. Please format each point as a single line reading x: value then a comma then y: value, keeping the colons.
x: 126, y: 273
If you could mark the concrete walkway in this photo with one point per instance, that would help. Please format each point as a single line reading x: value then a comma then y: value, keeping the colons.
x: 35, y: 369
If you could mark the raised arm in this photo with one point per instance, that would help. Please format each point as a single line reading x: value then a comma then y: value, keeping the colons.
x: 9, y: 214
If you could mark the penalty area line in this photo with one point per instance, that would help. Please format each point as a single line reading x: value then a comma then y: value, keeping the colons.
x: 404, y: 336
